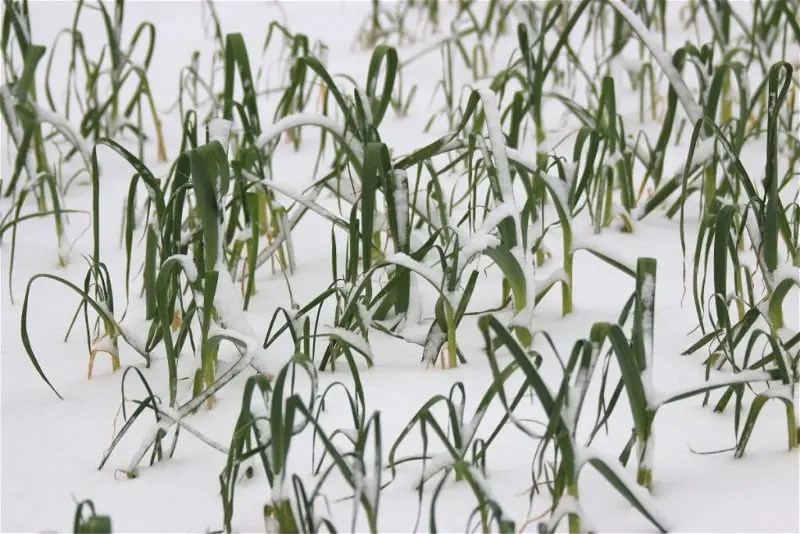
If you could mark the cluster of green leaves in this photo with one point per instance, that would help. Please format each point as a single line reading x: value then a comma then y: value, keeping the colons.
x: 758, y: 226
x: 103, y: 113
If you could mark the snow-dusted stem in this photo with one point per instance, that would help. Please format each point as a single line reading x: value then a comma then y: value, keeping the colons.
x: 644, y: 448
x: 451, y: 338
x: 644, y: 319
x: 756, y: 238
x: 574, y: 520
x: 566, y: 287
x: 506, y: 190
x: 490, y: 108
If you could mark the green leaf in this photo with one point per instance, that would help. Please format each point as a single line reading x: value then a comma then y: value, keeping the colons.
x: 210, y: 176
x: 638, y: 498
x: 631, y: 376
x: 512, y: 271
x: 236, y: 58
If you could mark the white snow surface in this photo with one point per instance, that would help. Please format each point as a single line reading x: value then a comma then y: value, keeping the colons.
x: 51, y: 448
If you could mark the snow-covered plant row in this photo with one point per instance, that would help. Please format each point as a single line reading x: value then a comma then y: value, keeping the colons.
x: 306, y: 268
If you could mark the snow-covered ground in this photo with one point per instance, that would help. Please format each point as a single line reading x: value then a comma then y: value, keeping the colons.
x: 51, y: 448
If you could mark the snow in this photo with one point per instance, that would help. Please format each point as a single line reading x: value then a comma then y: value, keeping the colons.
x: 592, y: 244
x: 228, y: 304
x: 244, y: 234
x: 490, y: 108
x: 482, y: 238
x: 648, y: 304
x: 414, y: 312
x: 787, y: 271
x: 352, y: 339
x: 188, y: 266
x: 434, y: 465
x: 304, y: 200
x: 220, y: 130
x: 704, y: 151
x: 51, y: 449
x: 104, y: 344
